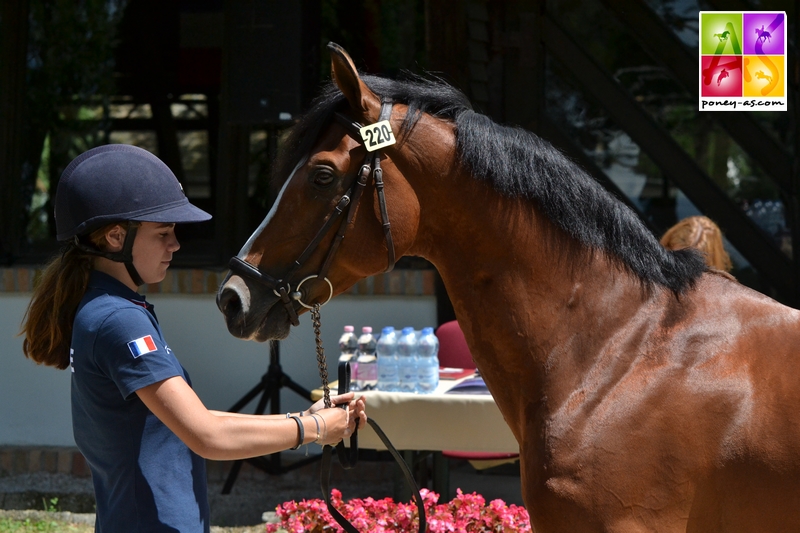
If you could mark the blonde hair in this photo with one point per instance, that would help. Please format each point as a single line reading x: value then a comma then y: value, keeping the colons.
x: 47, y: 324
x: 703, y: 234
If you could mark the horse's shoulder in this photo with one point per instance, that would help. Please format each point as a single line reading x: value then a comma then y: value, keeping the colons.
x: 719, y: 293
x: 722, y: 273
x: 713, y: 284
x: 722, y: 291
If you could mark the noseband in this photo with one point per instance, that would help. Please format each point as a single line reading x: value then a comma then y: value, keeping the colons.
x: 371, y: 168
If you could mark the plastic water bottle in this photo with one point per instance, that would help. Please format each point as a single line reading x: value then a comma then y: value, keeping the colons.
x: 407, y: 359
x: 367, y: 369
x: 348, y: 343
x: 427, y: 362
x: 388, y: 377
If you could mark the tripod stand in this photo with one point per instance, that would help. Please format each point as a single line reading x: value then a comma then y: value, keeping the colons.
x: 270, y: 389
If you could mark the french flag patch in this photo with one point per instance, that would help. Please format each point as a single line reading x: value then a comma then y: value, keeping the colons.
x: 142, y: 346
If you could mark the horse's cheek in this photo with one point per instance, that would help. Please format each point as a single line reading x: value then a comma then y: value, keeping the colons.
x: 404, y: 214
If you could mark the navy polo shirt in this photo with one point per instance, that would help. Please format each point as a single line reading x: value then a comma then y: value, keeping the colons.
x: 145, y: 478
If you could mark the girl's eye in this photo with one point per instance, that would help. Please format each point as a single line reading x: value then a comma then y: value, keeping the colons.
x: 323, y: 177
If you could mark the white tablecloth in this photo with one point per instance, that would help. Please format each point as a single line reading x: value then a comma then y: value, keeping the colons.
x: 437, y: 421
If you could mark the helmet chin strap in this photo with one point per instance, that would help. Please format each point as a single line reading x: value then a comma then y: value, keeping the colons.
x: 123, y: 256
x: 127, y: 254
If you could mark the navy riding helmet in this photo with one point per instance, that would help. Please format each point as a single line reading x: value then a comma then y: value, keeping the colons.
x: 118, y: 183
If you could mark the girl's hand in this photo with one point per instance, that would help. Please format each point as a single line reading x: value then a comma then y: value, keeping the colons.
x: 335, y: 400
x: 336, y: 423
x: 333, y: 425
x: 358, y: 412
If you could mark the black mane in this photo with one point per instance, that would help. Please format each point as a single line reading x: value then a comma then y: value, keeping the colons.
x: 518, y: 164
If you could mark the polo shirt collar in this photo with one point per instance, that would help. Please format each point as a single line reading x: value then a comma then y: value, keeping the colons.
x: 111, y: 285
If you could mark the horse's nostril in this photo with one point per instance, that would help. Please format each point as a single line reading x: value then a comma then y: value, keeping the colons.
x: 229, y: 303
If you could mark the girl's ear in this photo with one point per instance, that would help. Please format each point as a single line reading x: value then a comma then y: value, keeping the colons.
x: 114, y: 239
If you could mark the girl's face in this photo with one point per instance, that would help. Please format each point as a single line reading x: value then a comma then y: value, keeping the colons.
x: 152, y: 250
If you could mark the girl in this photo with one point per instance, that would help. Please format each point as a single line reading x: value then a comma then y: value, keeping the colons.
x: 137, y: 421
x: 703, y: 234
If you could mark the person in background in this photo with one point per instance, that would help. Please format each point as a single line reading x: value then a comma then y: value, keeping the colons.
x: 703, y: 234
x: 136, y: 419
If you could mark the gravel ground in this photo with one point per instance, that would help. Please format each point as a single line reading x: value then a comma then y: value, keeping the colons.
x: 45, y: 482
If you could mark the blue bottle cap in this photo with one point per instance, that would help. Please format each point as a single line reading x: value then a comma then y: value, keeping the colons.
x: 387, y: 330
x: 407, y: 330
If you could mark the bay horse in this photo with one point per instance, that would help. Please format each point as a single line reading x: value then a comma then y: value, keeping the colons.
x: 646, y: 392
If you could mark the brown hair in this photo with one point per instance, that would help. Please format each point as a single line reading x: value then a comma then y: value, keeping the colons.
x: 701, y: 233
x: 47, y: 324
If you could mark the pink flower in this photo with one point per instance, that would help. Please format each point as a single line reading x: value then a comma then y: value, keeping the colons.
x: 466, y: 513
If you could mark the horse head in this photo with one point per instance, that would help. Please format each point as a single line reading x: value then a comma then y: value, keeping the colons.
x: 326, y: 230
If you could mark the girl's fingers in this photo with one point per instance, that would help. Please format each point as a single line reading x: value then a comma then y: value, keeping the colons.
x: 335, y: 400
x: 354, y: 414
x: 342, y: 398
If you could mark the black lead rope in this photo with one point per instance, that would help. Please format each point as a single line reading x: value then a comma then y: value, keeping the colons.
x: 349, y: 460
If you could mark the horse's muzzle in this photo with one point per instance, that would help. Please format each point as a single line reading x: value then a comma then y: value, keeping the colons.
x: 245, y: 320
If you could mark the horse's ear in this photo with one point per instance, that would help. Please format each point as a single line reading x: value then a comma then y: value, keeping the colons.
x: 345, y: 75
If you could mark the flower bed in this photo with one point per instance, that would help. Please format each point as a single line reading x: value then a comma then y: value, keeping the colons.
x: 466, y: 513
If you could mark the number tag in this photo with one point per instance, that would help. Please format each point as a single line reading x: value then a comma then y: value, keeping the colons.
x: 377, y: 135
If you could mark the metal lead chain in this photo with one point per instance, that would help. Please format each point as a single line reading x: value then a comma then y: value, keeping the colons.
x: 323, y: 365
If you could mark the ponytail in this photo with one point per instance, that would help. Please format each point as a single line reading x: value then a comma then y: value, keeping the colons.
x: 47, y: 324
x: 703, y: 234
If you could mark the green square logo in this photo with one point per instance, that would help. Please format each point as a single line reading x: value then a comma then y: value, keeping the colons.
x: 721, y: 34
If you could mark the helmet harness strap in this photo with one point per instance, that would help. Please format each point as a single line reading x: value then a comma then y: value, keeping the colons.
x: 127, y: 254
x: 124, y: 256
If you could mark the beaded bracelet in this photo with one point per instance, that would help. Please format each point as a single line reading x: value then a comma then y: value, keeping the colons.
x: 301, y: 430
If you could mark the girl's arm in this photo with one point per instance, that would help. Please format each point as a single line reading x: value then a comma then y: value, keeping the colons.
x: 335, y: 400
x: 230, y: 436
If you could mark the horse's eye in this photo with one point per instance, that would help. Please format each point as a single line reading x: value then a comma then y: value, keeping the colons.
x: 323, y: 176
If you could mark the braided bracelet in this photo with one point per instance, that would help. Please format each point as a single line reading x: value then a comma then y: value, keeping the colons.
x: 301, y: 430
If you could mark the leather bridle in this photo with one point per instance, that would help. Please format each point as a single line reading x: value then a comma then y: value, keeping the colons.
x: 282, y: 287
x: 371, y: 168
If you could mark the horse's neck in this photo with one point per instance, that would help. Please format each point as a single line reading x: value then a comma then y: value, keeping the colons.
x: 518, y: 292
x: 503, y: 251
x: 518, y: 284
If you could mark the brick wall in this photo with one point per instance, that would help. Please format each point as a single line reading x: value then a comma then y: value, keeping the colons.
x: 204, y: 281
x: 20, y: 460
